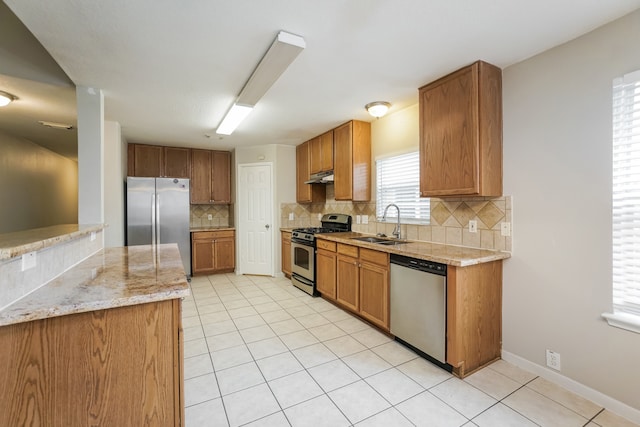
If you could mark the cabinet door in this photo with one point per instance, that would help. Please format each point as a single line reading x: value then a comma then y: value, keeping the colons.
x: 286, y: 253
x: 221, y: 177
x: 306, y: 193
x: 177, y: 162
x: 148, y: 160
x: 224, y: 254
x: 326, y: 273
x: 343, y: 162
x: 326, y: 143
x: 200, y: 176
x: 374, y: 294
x: 315, y: 155
x: 202, y: 253
x: 461, y: 133
x: 348, y: 283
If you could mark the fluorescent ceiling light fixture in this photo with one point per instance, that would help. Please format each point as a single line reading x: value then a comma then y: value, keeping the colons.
x: 235, y: 115
x: 55, y: 125
x: 378, y: 109
x: 6, y: 98
x: 284, y: 49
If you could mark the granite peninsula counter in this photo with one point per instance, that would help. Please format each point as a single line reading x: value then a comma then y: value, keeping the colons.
x: 113, y: 277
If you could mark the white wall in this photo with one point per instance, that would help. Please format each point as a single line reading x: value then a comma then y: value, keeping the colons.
x: 557, y: 167
x: 38, y: 187
x: 114, y: 178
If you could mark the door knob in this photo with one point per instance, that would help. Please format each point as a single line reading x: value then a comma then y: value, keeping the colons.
x: 266, y: 226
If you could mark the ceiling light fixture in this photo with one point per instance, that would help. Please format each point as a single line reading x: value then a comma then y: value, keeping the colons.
x: 55, y: 125
x: 6, y: 98
x: 378, y: 108
x: 284, y: 49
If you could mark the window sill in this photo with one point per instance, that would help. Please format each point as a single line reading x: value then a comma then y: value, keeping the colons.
x: 623, y: 321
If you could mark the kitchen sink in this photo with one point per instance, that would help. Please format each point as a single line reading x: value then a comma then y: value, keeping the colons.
x: 378, y: 241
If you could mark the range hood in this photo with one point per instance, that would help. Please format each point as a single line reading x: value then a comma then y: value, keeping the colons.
x: 325, y: 177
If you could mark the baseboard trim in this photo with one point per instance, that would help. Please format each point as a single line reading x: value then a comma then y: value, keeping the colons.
x: 595, y: 396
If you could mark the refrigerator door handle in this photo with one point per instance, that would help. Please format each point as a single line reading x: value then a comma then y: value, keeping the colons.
x: 153, y: 219
x: 158, y: 217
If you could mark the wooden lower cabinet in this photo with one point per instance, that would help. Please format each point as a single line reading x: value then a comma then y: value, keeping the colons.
x: 474, y: 316
x: 286, y: 253
x: 213, y: 252
x: 356, y: 278
x: 115, y: 367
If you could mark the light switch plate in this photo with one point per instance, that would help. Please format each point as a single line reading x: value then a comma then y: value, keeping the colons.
x: 365, y: 219
x: 473, y: 226
x: 93, y: 236
x: 358, y: 219
x: 291, y: 216
x: 209, y: 217
x: 29, y: 261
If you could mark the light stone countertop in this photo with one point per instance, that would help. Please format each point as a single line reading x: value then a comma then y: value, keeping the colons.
x: 113, y: 277
x: 21, y: 242
x: 458, y: 256
x: 212, y: 228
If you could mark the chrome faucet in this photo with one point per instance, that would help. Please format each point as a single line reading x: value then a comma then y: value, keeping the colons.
x: 396, y: 231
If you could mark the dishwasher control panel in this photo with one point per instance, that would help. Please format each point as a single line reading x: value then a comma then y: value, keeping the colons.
x: 420, y: 264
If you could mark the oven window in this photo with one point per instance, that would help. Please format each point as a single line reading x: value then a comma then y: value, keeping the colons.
x: 301, y: 257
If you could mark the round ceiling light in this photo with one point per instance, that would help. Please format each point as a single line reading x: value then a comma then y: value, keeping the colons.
x: 378, y: 108
x: 6, y: 98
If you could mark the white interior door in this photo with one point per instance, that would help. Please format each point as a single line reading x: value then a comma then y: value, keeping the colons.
x: 255, y: 206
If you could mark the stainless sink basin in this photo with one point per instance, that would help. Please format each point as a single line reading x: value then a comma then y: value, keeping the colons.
x: 378, y: 241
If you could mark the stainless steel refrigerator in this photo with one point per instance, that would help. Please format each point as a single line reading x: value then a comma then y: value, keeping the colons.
x: 158, y: 212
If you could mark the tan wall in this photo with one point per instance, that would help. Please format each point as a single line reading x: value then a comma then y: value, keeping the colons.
x: 557, y: 167
x: 38, y: 188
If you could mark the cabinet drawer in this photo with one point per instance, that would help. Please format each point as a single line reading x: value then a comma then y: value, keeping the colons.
x: 348, y: 250
x: 375, y: 257
x: 328, y: 246
x: 203, y: 235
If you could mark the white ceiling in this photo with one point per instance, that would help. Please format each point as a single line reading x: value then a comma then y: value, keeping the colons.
x: 170, y: 69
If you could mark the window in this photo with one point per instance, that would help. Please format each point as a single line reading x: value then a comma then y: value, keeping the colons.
x: 626, y: 201
x: 398, y: 181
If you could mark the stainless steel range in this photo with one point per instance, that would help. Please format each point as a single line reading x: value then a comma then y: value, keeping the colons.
x: 303, y: 250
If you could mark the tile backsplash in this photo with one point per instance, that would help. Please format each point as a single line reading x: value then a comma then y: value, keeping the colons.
x: 219, y: 216
x: 449, y: 221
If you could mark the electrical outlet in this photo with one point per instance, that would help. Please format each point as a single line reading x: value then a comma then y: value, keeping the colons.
x: 319, y: 217
x: 291, y: 216
x: 505, y: 229
x: 553, y: 360
x: 29, y: 261
x: 473, y: 226
x: 209, y: 217
x: 365, y: 219
x: 358, y: 219
x: 93, y: 236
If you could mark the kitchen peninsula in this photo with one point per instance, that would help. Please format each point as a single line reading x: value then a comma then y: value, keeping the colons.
x: 101, y: 343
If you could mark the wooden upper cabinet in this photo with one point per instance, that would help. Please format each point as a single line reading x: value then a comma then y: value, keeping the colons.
x: 352, y: 161
x: 307, y: 193
x: 131, y: 157
x: 147, y: 160
x: 210, y: 177
x: 461, y: 133
x: 315, y: 155
x: 177, y: 162
x: 326, y: 151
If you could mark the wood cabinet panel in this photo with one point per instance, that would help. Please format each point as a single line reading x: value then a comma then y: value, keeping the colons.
x: 315, y: 155
x: 121, y: 366
x: 201, y: 176
x: 461, y: 133
x: 221, y: 177
x: 374, y: 292
x: 326, y: 273
x: 131, y: 160
x: 148, y: 160
x: 352, y: 161
x: 177, y: 162
x: 307, y: 193
x: 348, y: 283
x: 213, y: 252
x: 326, y: 143
x: 474, y: 316
x: 286, y: 253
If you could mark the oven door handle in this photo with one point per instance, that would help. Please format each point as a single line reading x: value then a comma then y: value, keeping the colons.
x: 302, y: 279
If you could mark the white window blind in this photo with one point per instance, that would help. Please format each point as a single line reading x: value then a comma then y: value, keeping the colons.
x: 398, y: 181
x: 626, y: 194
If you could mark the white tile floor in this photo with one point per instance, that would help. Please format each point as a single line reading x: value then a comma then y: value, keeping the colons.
x: 259, y: 352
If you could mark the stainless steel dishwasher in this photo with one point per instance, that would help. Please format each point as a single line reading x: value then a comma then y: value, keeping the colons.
x: 419, y: 306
